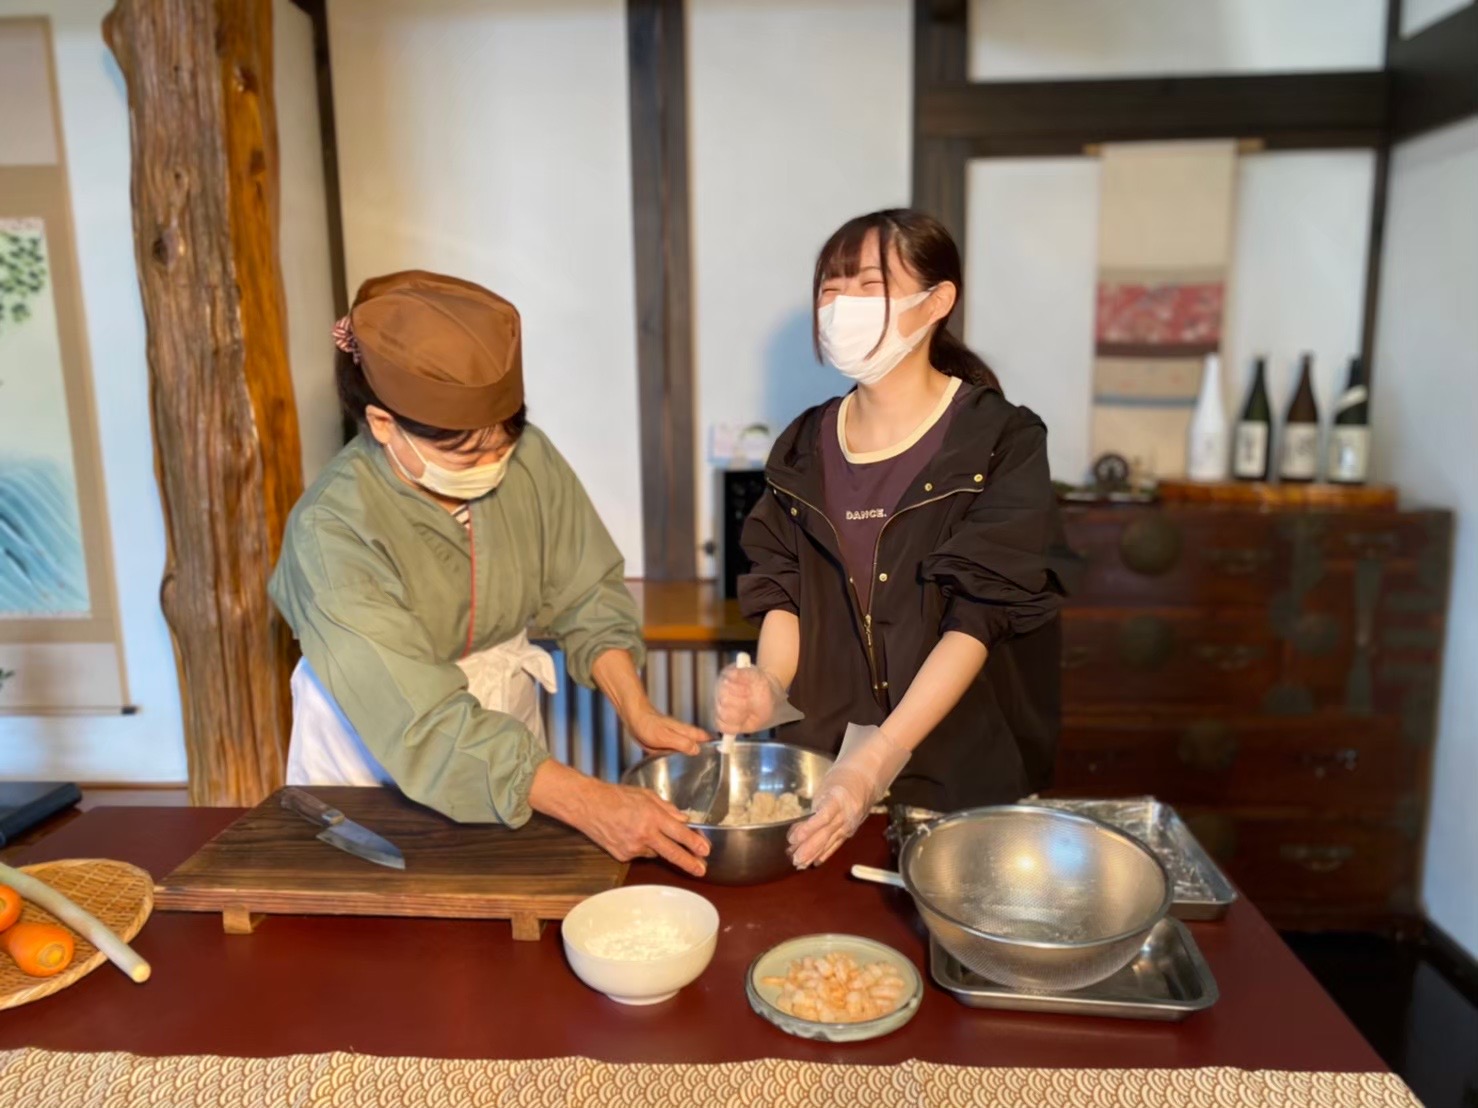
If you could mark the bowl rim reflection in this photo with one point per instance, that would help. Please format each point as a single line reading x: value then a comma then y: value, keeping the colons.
x: 913, y: 999
x: 628, y: 777
x: 912, y: 844
x: 663, y: 890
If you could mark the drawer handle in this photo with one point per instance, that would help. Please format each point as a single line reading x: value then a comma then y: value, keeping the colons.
x: 1374, y: 541
x: 1323, y: 763
x: 1208, y: 746
x: 1097, y: 760
x: 1237, y: 562
x: 1076, y: 657
x: 1228, y: 659
x: 1316, y: 859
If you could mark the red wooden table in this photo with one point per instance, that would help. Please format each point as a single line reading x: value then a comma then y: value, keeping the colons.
x: 455, y: 989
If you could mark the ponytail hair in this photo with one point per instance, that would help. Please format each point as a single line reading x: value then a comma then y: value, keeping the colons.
x: 926, y: 249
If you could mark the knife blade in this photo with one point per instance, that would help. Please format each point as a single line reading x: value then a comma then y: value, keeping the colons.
x: 342, y: 832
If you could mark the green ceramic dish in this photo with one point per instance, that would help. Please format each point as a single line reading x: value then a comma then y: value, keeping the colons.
x: 776, y: 961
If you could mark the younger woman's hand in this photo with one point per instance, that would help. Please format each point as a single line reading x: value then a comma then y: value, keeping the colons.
x: 749, y: 700
x: 869, y: 761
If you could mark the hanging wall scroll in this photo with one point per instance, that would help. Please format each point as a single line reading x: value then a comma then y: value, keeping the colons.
x: 1164, y: 247
x: 59, y: 634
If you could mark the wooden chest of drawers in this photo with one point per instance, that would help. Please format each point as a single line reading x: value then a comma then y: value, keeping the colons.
x: 1273, y: 675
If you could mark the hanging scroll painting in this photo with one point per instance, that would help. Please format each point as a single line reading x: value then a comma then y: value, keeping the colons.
x: 59, y: 642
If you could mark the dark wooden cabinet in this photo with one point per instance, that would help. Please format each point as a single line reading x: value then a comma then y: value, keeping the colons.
x: 1273, y: 675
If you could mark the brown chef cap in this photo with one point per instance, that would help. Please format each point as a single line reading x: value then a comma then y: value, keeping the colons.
x: 441, y: 351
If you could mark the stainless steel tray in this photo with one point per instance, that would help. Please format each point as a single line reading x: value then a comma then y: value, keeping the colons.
x: 1167, y: 981
x: 1202, y: 891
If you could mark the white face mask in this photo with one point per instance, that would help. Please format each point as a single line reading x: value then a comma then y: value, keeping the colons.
x: 455, y: 484
x: 850, y: 326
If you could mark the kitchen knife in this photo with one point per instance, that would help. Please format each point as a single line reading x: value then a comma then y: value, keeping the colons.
x: 341, y: 832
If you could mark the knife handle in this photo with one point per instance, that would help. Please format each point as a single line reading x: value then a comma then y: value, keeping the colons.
x: 311, y: 808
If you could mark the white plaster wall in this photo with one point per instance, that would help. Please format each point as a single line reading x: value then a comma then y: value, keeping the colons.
x: 1025, y: 40
x: 799, y: 119
x: 1425, y: 413
x: 489, y: 139
x: 1418, y: 15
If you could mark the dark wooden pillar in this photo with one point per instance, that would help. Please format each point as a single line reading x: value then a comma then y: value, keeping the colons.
x: 657, y: 64
x: 205, y: 206
x: 941, y: 61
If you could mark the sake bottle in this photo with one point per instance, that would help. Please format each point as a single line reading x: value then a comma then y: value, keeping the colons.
x: 1349, y: 435
x: 1299, y: 458
x: 1207, y: 448
x: 1252, y: 444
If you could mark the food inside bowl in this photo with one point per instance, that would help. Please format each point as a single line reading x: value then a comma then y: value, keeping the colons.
x: 643, y: 939
x: 759, y: 808
x: 836, y: 988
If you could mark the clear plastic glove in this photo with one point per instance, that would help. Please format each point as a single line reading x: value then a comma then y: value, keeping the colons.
x: 869, y: 761
x: 750, y: 700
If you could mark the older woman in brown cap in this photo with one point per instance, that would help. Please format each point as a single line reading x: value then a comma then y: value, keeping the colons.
x: 413, y: 568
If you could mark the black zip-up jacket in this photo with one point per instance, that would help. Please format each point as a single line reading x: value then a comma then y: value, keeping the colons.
x: 975, y: 545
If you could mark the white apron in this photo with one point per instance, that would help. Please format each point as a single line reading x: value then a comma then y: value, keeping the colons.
x: 326, y: 750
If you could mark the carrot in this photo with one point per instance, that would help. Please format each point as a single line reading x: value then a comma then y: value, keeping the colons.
x: 40, y: 949
x: 84, y: 923
x: 10, y: 906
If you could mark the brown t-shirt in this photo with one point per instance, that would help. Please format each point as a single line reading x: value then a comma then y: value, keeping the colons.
x: 863, y: 489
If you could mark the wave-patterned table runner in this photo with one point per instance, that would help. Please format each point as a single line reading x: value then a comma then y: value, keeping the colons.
x: 34, y: 1077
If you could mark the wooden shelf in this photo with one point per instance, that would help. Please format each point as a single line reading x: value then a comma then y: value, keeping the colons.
x: 1267, y: 495
x: 689, y: 614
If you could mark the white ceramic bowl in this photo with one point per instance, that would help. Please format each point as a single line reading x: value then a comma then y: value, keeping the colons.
x: 648, y: 980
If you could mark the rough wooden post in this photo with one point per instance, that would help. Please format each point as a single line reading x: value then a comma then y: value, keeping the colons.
x: 205, y: 208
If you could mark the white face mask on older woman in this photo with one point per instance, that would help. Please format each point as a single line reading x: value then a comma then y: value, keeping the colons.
x: 454, y: 484
x: 849, y: 328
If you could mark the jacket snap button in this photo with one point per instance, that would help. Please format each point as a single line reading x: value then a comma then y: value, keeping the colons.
x: 979, y: 477
x: 795, y: 511
x: 882, y: 577
x: 885, y: 684
x: 928, y: 486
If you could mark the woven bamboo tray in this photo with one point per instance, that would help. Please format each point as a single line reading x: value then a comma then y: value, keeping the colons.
x: 118, y: 894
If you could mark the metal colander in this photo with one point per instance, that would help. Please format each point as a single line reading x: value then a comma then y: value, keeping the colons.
x: 1035, y: 898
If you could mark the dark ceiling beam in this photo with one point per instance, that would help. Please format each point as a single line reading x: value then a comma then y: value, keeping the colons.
x: 1435, y: 75
x: 1285, y: 111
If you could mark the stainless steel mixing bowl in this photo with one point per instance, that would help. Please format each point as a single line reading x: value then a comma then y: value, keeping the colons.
x: 739, y: 855
x: 1035, y: 898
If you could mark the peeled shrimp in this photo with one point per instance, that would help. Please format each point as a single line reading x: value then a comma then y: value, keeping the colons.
x: 835, y: 989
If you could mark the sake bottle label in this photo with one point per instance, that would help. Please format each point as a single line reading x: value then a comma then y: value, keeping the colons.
x: 1349, y: 454
x: 1249, y: 456
x: 1300, y: 452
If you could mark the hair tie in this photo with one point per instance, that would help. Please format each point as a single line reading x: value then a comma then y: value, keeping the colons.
x: 344, y: 339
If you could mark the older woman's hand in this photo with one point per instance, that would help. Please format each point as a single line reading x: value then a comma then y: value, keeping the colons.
x: 659, y: 734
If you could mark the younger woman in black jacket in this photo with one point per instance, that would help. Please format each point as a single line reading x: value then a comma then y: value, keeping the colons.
x: 904, y: 555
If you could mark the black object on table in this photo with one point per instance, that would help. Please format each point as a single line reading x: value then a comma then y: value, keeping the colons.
x: 24, y: 804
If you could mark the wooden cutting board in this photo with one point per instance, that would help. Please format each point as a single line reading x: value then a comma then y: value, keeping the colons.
x: 270, y: 862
